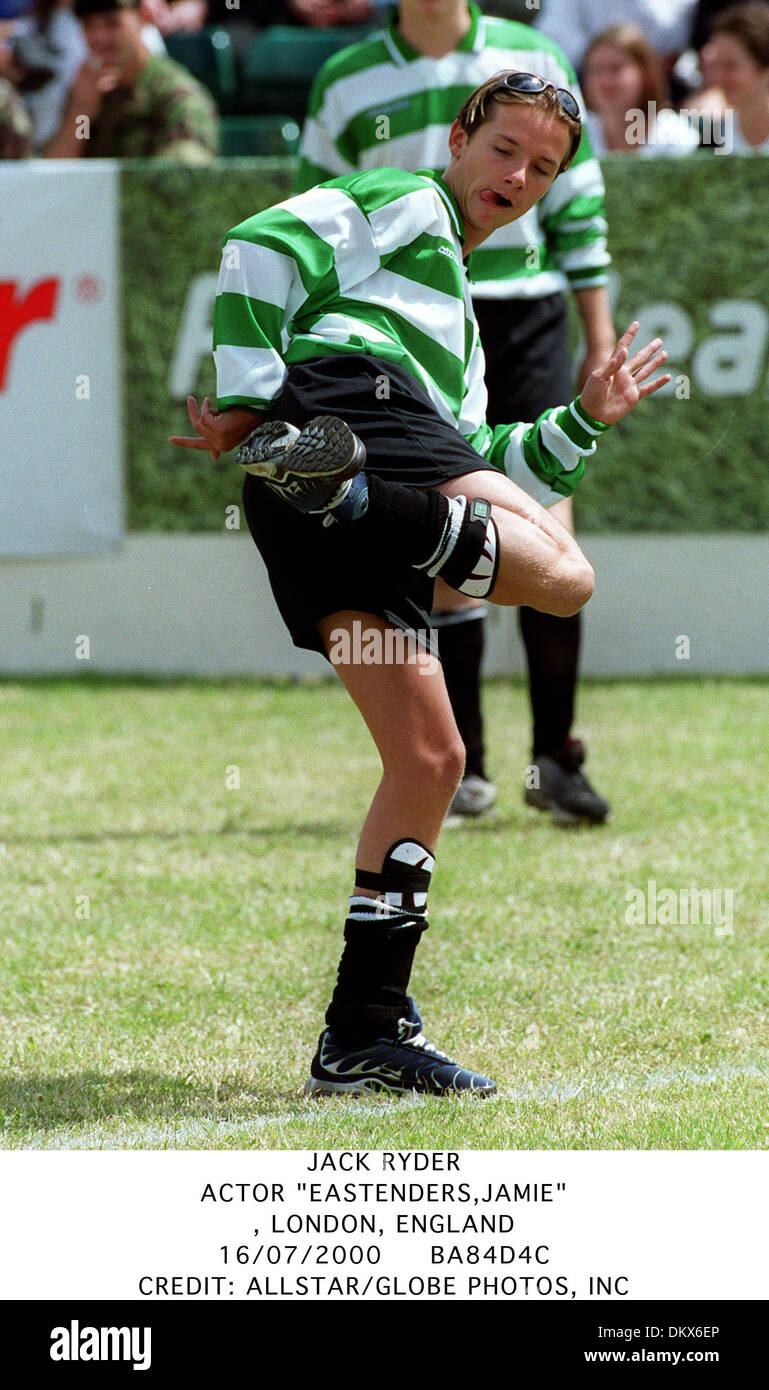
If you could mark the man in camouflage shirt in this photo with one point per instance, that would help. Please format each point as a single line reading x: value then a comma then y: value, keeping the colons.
x: 15, y: 125
x: 129, y: 103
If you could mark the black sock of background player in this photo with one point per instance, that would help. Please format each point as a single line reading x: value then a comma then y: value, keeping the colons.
x: 460, y: 647
x: 552, y: 648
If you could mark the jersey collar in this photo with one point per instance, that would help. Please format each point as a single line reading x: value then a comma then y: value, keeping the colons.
x: 449, y: 200
x: 402, y: 52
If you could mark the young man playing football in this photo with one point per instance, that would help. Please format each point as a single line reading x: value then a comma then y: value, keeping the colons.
x: 390, y: 99
x: 351, y: 301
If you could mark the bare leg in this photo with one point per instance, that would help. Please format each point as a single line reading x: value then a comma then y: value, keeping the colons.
x: 407, y: 711
x: 563, y: 512
x: 449, y: 600
x: 541, y: 564
x: 374, y: 1035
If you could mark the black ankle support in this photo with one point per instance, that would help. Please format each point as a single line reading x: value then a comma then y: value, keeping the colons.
x: 405, y: 878
x: 381, y: 936
x: 370, y: 994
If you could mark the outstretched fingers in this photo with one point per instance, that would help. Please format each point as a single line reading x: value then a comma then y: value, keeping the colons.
x: 198, y: 424
x: 619, y: 355
x: 649, y: 363
x: 641, y: 357
x: 187, y: 443
x: 649, y: 387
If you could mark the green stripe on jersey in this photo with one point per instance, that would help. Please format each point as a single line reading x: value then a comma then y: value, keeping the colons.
x: 367, y: 53
x: 345, y: 268
x: 238, y: 313
x: 278, y: 227
x: 380, y: 187
x: 423, y: 267
x: 404, y: 117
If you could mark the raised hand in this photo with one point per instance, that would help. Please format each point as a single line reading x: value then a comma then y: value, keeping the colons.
x: 611, y: 392
x: 217, y: 431
x: 92, y: 83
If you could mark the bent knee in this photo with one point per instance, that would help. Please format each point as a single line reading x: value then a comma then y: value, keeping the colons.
x: 574, y: 585
x: 439, y: 765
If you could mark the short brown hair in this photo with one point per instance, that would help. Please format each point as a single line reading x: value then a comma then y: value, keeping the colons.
x: 478, y: 110
x: 750, y: 25
x: 632, y: 41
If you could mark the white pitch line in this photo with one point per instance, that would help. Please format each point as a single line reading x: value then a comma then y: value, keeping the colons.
x: 555, y: 1091
x: 655, y: 1081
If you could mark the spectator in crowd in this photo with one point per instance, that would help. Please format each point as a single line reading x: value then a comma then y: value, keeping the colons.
x: 735, y: 61
x: 626, y: 93
x: 15, y: 125
x: 573, y: 24
x: 128, y: 102
x: 688, y: 82
x: 704, y: 15
x: 51, y: 36
x: 48, y: 49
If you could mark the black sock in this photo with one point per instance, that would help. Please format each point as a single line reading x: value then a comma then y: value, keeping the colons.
x: 370, y: 994
x: 381, y: 936
x: 552, y: 649
x: 460, y: 647
x: 455, y: 537
x: 410, y: 517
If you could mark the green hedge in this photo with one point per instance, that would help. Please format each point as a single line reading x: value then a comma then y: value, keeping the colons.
x: 688, y: 231
x: 172, y: 225
x: 692, y: 231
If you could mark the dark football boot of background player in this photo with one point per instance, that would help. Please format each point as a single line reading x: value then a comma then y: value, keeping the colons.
x: 563, y: 789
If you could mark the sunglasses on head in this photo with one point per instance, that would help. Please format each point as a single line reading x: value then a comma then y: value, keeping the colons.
x: 529, y: 82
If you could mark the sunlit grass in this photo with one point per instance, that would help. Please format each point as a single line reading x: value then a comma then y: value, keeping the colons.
x: 169, y: 939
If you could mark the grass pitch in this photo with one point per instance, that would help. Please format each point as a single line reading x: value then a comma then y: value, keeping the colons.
x: 176, y: 860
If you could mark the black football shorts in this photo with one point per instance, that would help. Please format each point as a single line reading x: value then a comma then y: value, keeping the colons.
x: 315, y: 570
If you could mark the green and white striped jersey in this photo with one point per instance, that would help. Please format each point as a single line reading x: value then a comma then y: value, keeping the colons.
x: 373, y: 264
x: 380, y: 103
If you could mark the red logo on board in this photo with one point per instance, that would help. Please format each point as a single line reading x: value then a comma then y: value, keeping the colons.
x: 17, y: 312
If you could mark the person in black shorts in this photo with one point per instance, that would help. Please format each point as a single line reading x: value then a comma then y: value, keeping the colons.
x: 359, y: 499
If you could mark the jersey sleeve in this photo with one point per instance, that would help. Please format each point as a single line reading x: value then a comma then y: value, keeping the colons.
x: 547, y: 459
x: 572, y: 214
x: 320, y: 156
x: 275, y: 266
